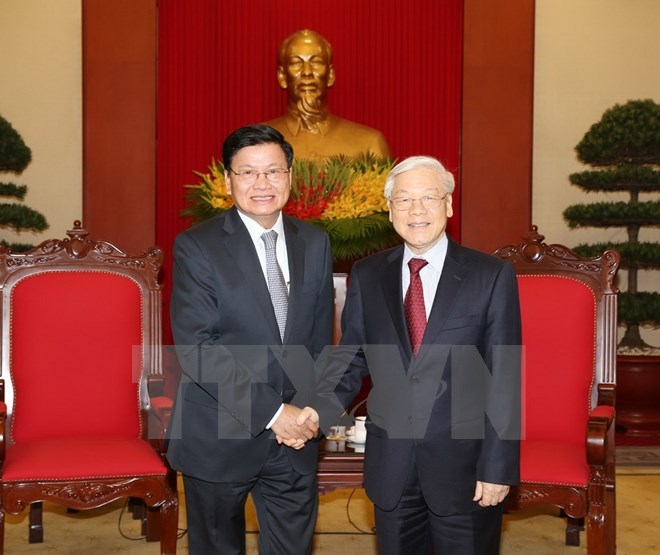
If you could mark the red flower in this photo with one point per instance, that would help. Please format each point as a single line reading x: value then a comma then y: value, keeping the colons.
x: 308, y: 203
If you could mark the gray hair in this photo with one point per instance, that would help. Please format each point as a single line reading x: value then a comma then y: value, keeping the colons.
x: 416, y: 162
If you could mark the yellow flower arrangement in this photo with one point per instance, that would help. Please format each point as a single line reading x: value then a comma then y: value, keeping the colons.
x: 342, y: 196
x: 362, y: 197
x: 214, y: 187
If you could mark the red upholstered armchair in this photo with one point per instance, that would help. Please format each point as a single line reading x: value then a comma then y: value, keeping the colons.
x: 80, y: 334
x: 568, y: 306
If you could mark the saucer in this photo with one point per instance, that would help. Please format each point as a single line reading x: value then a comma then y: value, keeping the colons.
x: 357, y: 447
x: 352, y: 439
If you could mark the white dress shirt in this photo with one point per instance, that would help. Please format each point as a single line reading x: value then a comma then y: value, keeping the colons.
x: 256, y: 231
x: 429, y: 274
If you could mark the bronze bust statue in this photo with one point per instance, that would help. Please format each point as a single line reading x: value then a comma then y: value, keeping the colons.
x: 306, y: 72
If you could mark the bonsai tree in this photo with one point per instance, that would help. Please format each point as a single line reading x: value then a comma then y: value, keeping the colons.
x: 14, y: 158
x: 624, y: 147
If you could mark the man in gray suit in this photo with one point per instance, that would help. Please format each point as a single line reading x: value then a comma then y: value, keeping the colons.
x: 252, y: 308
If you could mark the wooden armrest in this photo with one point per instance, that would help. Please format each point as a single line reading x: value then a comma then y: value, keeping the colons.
x: 607, y: 394
x: 605, y: 412
x: 156, y: 385
x: 161, y: 407
x: 599, y: 425
x: 165, y: 420
x: 160, y: 412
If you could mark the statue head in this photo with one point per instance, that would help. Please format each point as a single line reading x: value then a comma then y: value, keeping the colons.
x: 305, y: 70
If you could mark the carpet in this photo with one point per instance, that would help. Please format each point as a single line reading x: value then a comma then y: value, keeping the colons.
x: 638, y: 457
x: 345, y: 522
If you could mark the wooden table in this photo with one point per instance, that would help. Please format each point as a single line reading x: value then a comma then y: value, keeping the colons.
x: 340, y: 466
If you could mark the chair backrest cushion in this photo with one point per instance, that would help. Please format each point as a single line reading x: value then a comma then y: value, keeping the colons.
x: 559, y: 339
x: 75, y: 354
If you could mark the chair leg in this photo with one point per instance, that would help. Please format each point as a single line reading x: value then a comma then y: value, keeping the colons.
x: 153, y: 529
x: 596, y: 538
x: 169, y: 513
x: 35, y: 523
x: 573, y: 528
x: 2, y: 531
x: 601, y: 526
x: 137, y: 507
x: 610, y: 521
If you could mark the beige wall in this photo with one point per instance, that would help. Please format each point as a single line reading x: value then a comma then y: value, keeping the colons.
x: 41, y: 96
x: 589, y: 55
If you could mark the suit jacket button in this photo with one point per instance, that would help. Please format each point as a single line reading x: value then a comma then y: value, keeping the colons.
x: 284, y: 353
x: 414, y: 380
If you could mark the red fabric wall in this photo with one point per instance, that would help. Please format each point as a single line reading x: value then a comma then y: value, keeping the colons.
x: 398, y: 66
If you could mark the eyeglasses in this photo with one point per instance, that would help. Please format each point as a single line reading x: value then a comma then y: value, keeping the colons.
x: 428, y: 202
x: 250, y: 177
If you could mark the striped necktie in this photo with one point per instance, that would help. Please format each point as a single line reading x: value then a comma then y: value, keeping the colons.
x: 279, y: 294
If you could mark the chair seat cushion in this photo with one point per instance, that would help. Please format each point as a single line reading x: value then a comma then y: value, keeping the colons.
x: 80, y: 458
x: 553, y: 462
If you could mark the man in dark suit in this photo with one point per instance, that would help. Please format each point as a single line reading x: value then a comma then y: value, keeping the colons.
x: 252, y: 307
x: 437, y: 328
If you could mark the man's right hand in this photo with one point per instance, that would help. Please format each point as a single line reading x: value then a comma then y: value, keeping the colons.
x: 294, y: 426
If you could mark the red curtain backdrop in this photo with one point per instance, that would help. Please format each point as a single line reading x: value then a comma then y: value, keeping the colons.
x: 398, y: 65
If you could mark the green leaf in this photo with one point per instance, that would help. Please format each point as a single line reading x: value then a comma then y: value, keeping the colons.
x: 12, y: 190
x: 643, y: 256
x: 641, y: 308
x: 16, y: 247
x: 20, y: 218
x: 613, y: 214
x: 14, y: 153
x: 621, y: 178
x: 353, y: 238
x: 626, y: 134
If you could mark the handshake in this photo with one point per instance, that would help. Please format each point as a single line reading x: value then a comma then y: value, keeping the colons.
x: 295, y: 426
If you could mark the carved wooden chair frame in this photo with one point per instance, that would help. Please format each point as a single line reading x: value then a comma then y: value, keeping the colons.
x: 595, y: 501
x: 76, y: 252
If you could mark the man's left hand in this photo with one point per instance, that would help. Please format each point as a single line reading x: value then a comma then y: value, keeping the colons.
x: 490, y: 494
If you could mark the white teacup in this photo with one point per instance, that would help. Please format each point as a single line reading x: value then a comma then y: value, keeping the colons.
x: 358, y: 432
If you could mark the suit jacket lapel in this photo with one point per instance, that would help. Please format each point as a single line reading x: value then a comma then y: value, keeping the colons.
x: 391, y: 284
x: 451, y: 281
x: 242, y: 250
x: 295, y: 250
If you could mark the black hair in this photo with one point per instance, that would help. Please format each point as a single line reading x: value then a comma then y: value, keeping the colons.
x: 251, y: 135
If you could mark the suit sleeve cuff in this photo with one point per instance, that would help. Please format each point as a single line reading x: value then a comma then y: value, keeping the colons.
x: 275, y: 417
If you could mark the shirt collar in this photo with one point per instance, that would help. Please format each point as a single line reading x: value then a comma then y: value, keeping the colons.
x: 435, y: 256
x: 256, y: 230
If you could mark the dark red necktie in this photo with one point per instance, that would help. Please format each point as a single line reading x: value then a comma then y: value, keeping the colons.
x: 413, y: 305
